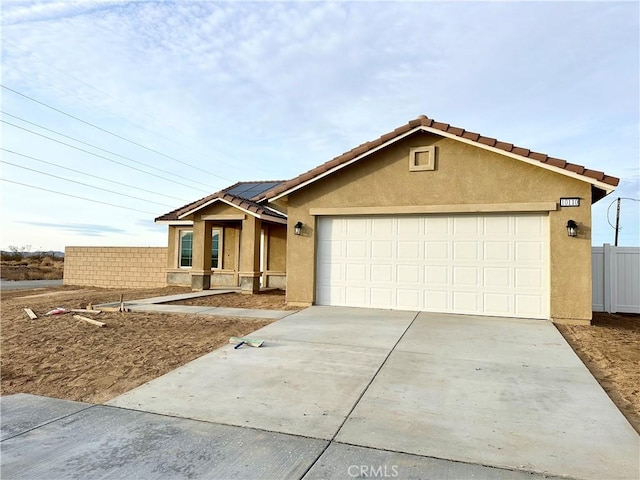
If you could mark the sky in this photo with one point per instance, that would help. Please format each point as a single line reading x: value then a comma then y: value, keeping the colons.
x: 116, y: 112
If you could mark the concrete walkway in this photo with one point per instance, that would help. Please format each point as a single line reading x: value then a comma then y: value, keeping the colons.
x: 157, y: 304
x: 337, y: 391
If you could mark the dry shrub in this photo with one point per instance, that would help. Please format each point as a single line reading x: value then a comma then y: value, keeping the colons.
x: 46, y: 262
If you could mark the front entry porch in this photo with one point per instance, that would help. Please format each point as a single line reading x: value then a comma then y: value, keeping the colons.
x: 223, y: 245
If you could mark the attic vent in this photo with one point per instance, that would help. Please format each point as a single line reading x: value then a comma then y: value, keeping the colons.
x: 422, y: 158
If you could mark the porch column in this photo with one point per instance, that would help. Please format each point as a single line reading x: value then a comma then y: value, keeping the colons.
x: 201, y: 266
x: 250, y: 255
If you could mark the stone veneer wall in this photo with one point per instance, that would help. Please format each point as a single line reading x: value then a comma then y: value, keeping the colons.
x: 116, y: 267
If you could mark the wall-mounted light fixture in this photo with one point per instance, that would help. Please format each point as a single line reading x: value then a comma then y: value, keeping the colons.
x: 297, y: 228
x: 572, y: 228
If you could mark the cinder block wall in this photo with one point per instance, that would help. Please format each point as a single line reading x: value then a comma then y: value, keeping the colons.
x: 116, y: 267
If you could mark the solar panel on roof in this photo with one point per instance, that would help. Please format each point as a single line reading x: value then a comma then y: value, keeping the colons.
x: 251, y: 189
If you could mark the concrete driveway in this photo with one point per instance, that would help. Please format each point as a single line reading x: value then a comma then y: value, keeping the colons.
x: 420, y: 395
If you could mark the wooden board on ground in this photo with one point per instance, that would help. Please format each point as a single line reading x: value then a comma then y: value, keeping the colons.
x: 29, y: 312
x: 89, y: 320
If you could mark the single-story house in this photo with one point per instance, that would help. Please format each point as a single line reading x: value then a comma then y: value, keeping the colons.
x: 426, y: 217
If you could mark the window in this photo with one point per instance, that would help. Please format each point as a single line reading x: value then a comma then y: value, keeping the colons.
x: 185, y: 259
x: 215, y: 249
x: 186, y: 249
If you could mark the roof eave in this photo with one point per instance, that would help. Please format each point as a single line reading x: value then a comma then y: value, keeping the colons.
x: 231, y: 204
x: 601, y: 185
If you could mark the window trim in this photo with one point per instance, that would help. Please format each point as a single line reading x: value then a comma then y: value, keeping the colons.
x: 219, y: 231
x: 180, y: 236
x: 214, y: 230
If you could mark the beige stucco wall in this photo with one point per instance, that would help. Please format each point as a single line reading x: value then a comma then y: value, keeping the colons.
x: 464, y: 174
x: 277, y: 250
x: 115, y: 267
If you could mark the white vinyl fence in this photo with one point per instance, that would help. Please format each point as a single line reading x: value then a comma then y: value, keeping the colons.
x: 616, y: 279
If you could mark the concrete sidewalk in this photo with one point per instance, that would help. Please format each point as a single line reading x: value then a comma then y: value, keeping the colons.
x: 50, y: 438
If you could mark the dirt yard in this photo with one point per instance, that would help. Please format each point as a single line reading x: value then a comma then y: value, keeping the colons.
x: 270, y: 300
x: 610, y: 348
x: 62, y: 357
x: 67, y: 358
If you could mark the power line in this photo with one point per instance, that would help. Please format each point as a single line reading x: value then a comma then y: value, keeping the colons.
x: 105, y: 158
x: 93, y: 146
x: 111, y: 113
x: 93, y: 176
x: 155, y: 119
x: 75, y: 196
x: 81, y: 183
x: 112, y: 133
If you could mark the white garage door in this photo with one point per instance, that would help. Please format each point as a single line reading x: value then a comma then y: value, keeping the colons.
x: 473, y: 264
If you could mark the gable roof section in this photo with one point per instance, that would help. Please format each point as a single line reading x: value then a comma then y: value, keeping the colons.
x: 423, y: 123
x: 241, y: 200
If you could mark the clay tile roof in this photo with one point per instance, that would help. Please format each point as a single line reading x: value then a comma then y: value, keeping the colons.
x: 507, y: 147
x: 487, y: 141
x: 444, y: 127
x: 471, y: 136
x: 556, y: 162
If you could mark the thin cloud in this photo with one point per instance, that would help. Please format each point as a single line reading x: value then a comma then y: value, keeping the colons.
x: 86, y: 229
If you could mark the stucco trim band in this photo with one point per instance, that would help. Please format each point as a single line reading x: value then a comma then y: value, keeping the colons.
x: 417, y: 209
x: 222, y: 217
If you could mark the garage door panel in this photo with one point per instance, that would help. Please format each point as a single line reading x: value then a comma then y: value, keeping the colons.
x: 357, y: 249
x: 436, y: 275
x: 529, y: 225
x: 410, y: 226
x: 382, y: 250
x: 437, y: 300
x: 465, y: 302
x: 498, y: 303
x: 382, y: 297
x: 408, y: 249
x: 465, y: 250
x: 382, y: 273
x: 329, y: 273
x: 408, y: 274
x: 356, y: 272
x: 467, y: 276
x: 467, y: 225
x: 497, y: 277
x: 496, y: 251
x: 436, y: 250
x: 437, y: 226
x: 529, y: 251
x: 476, y: 264
x: 356, y: 296
x: 408, y: 299
x: 528, y: 305
x: 498, y: 225
x: 382, y: 227
x: 357, y: 226
x: 529, y: 278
